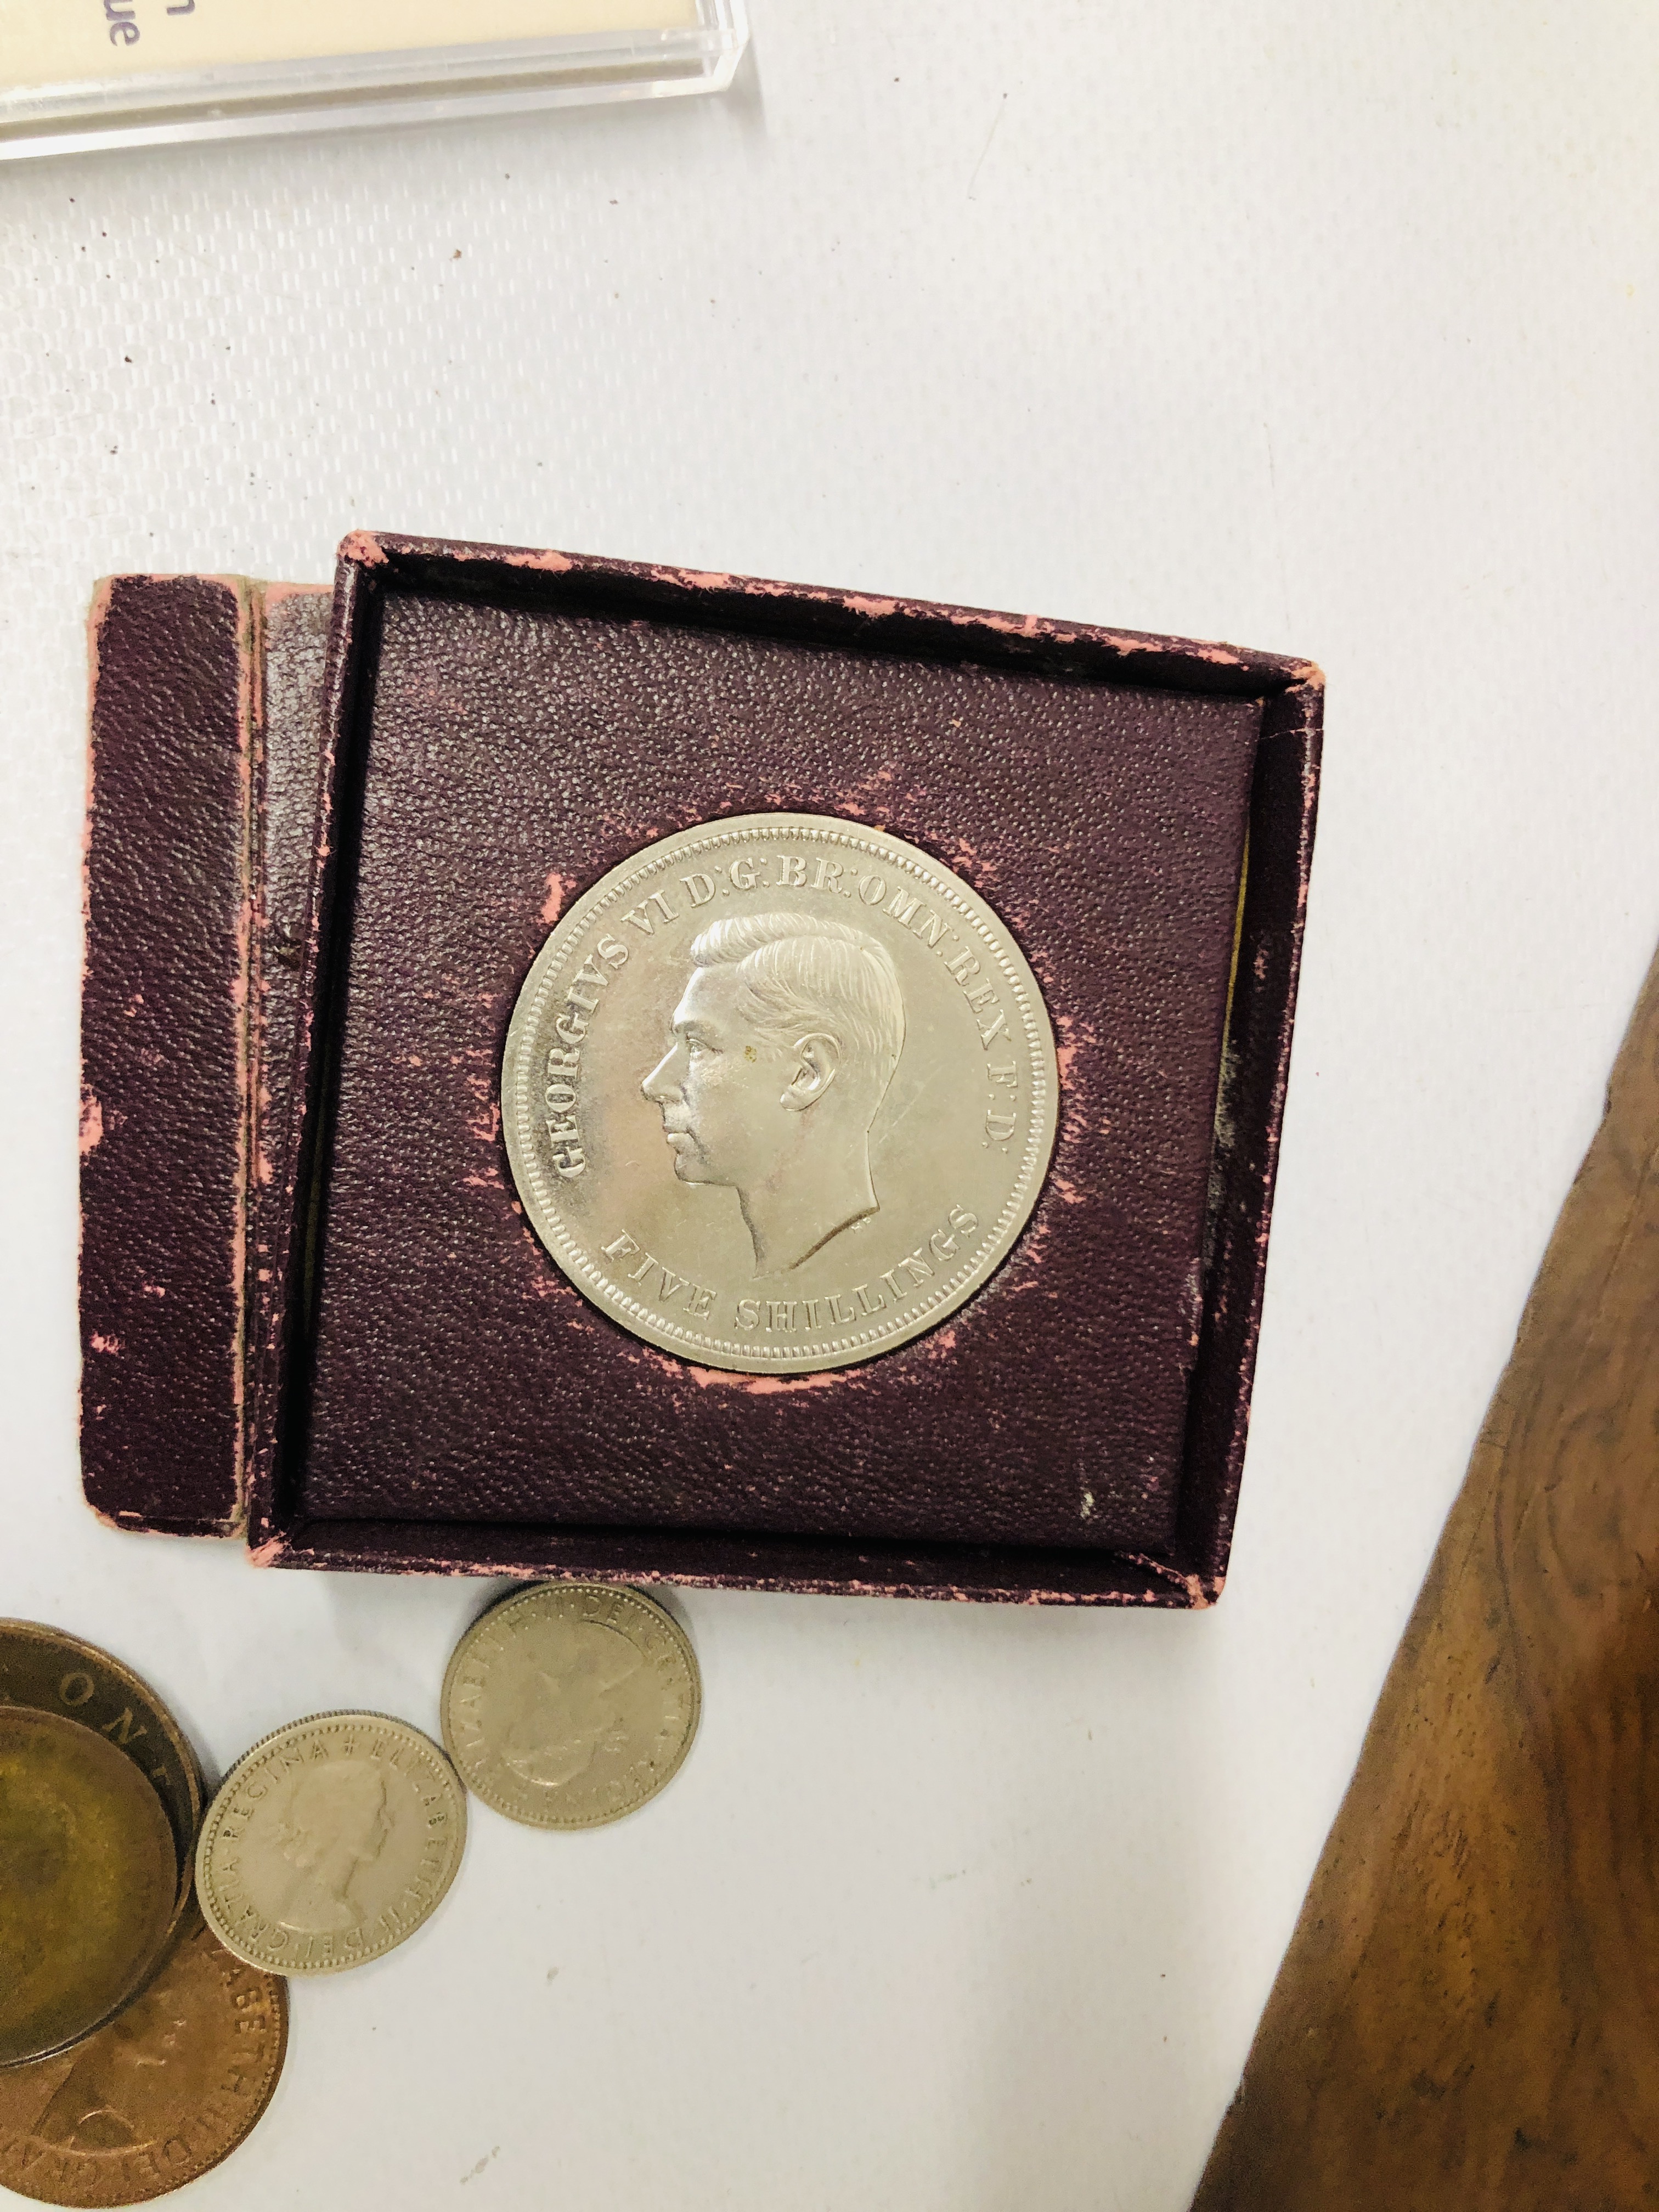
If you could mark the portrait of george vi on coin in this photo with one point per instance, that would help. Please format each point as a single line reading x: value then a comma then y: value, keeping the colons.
x: 784, y: 1043
x: 779, y: 1092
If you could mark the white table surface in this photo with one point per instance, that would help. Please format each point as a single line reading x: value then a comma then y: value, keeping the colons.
x: 1328, y: 331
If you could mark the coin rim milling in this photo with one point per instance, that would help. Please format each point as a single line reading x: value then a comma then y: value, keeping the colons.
x: 144, y: 1964
x: 523, y: 1803
x: 278, y: 1960
x: 106, y: 2173
x: 518, y: 1091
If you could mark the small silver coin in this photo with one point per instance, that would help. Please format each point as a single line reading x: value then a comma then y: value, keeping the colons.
x: 778, y: 1093
x: 329, y: 1842
x: 568, y: 1706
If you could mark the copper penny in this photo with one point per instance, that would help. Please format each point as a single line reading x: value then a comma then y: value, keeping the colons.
x: 166, y: 2091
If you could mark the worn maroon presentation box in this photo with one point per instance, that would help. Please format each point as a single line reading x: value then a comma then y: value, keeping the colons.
x: 326, y: 839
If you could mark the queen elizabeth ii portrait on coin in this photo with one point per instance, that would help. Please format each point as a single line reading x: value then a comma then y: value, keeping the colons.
x: 336, y: 1823
x: 97, y: 2106
x: 785, y: 1041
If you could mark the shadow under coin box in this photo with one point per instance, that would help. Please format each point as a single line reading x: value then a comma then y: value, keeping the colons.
x: 502, y: 729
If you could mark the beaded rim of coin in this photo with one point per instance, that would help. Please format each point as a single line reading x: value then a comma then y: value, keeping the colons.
x: 963, y: 1259
x: 242, y: 2084
x: 121, y: 1915
x: 277, y: 1948
x: 480, y: 1764
x: 31, y: 1675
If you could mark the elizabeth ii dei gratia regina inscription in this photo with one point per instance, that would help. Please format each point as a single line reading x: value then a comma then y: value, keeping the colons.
x: 778, y: 1093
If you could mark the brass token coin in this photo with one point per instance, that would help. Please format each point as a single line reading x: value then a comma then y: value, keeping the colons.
x: 53, y: 1673
x: 331, y: 1841
x: 778, y: 1093
x: 166, y: 2091
x: 88, y: 1883
x: 568, y: 1706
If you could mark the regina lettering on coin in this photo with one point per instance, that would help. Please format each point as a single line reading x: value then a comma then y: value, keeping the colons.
x: 778, y: 1093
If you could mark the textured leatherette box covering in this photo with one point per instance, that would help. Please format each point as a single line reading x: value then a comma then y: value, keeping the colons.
x: 203, y: 800
x: 317, y: 902
x: 294, y: 638
x: 164, y: 1049
x: 506, y: 727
